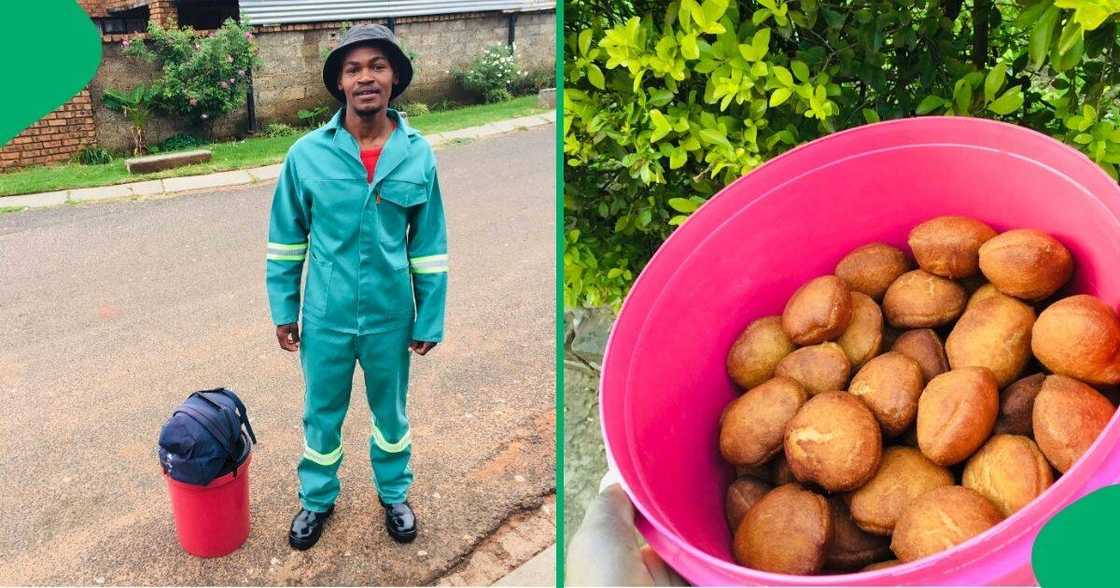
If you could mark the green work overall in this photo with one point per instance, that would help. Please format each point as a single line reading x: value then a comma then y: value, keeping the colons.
x: 376, y: 280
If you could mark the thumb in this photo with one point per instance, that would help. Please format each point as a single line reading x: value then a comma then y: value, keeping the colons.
x: 605, y: 551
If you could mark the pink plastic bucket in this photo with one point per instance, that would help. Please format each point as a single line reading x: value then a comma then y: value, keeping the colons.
x: 744, y: 253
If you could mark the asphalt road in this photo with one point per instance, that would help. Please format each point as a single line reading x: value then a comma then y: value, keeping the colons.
x: 110, y: 314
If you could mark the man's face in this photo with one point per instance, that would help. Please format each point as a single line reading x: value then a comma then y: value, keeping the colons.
x: 367, y: 80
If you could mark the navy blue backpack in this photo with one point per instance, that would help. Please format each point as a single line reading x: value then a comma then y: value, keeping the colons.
x: 206, y: 437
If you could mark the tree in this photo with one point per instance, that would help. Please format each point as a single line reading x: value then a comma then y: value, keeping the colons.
x: 667, y: 102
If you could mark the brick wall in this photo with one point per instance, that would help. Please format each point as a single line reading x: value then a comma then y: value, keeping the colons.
x: 291, y: 76
x: 54, y: 138
x: 95, y: 8
x: 164, y: 12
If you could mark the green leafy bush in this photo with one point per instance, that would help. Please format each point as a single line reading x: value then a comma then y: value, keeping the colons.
x: 491, y: 74
x: 178, y: 142
x: 137, y: 105
x: 668, y: 102
x: 532, y: 81
x: 313, y: 117
x: 205, y: 74
x: 413, y: 108
x: 278, y: 129
x: 94, y: 155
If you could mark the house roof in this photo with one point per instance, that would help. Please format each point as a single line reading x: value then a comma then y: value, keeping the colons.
x: 269, y: 12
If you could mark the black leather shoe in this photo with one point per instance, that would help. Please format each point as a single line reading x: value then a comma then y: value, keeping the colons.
x: 307, y: 527
x: 400, y: 521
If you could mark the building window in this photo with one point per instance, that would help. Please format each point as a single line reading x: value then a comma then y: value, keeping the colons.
x: 207, y: 14
x: 128, y: 21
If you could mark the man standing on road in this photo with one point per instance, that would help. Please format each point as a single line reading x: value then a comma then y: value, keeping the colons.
x: 360, y: 199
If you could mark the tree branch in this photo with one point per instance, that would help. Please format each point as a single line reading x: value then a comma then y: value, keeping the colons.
x: 980, y: 12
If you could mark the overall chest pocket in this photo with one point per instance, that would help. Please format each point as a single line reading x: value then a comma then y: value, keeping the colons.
x: 398, y: 196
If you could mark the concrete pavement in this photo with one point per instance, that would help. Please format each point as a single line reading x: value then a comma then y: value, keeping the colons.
x: 113, y: 313
x: 170, y: 186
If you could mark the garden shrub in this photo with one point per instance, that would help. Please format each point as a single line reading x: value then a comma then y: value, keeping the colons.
x: 665, y: 103
x: 279, y: 129
x: 491, y: 74
x: 178, y: 142
x: 94, y: 155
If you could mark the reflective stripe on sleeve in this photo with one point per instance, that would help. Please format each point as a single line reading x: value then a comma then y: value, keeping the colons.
x: 429, y: 264
x: 286, y: 251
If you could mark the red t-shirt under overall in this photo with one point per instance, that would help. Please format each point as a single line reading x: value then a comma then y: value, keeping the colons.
x: 369, y: 159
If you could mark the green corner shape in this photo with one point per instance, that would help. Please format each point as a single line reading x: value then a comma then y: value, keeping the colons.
x: 1078, y: 546
x: 51, y: 51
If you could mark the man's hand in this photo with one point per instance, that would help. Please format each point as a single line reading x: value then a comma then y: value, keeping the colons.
x: 605, y: 551
x: 421, y: 347
x: 288, y: 336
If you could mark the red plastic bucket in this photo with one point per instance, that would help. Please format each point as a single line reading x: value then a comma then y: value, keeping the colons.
x: 740, y: 257
x: 212, y: 520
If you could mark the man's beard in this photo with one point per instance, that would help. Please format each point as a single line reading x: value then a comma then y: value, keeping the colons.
x: 368, y: 111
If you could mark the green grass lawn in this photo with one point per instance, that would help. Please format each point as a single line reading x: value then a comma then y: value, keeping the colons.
x: 253, y: 152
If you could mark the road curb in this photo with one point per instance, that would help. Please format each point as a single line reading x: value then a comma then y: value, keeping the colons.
x: 243, y: 177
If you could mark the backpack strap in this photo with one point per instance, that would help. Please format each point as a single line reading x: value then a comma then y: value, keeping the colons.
x: 231, y: 419
x: 208, y: 423
x: 242, y: 413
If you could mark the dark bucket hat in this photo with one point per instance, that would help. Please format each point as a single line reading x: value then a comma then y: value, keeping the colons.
x: 368, y: 34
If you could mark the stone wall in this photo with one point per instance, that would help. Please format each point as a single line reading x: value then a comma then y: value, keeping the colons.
x: 585, y: 458
x: 535, y: 40
x: 290, y: 78
x: 55, y: 138
x: 121, y: 73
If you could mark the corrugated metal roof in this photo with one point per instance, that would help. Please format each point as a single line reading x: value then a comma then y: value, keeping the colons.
x: 266, y: 12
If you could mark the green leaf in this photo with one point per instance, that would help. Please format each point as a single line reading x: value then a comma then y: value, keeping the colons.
x: 800, y: 70
x: 683, y: 205
x: 677, y: 158
x: 1083, y: 139
x: 783, y: 76
x: 994, y: 82
x: 595, y: 76
x: 585, y: 41
x: 715, y: 136
x: 1030, y: 15
x: 660, y: 96
x: 780, y: 96
x: 1009, y: 102
x: 614, y: 273
x: 834, y: 19
x: 684, y: 14
x: 677, y: 220
x: 870, y: 116
x: 689, y: 48
x: 1041, y: 36
x: 929, y: 104
x: 645, y: 217
x: 963, y: 96
x: 1090, y: 114
x: 761, y: 42
x: 1068, y: 60
x: 1071, y: 34
x: 661, y: 126
x: 714, y: 9
x: 760, y: 16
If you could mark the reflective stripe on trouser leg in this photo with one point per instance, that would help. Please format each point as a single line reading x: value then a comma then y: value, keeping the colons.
x: 384, y: 358
x: 328, y: 373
